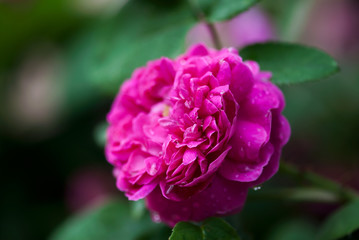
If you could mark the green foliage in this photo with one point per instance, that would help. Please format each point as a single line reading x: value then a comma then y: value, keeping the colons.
x: 108, y: 52
x: 343, y: 222
x: 141, y: 31
x: 186, y: 231
x: 291, y: 63
x: 22, y: 25
x: 109, y: 222
x: 220, y: 10
x: 294, y: 229
x: 210, y: 229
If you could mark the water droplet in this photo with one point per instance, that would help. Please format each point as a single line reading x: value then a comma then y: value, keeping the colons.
x: 225, y: 190
x: 257, y: 188
x: 237, y: 176
x: 229, y: 198
x: 212, y: 196
x: 196, y: 205
x: 156, y: 217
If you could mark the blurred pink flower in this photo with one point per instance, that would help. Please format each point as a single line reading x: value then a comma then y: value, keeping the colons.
x: 250, y: 27
x: 88, y: 187
x: 337, y: 35
x: 191, y: 135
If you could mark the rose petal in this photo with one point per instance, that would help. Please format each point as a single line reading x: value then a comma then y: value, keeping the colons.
x: 222, y: 197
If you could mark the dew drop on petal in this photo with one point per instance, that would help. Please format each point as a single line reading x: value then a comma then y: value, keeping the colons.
x: 156, y: 217
x: 196, y: 205
x: 257, y: 188
x: 176, y: 217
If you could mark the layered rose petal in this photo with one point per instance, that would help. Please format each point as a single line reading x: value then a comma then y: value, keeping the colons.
x: 222, y: 197
x: 195, y: 133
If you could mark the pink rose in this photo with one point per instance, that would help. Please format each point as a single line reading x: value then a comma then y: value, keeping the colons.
x: 191, y: 135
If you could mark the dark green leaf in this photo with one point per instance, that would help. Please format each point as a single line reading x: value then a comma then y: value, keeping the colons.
x: 186, y: 231
x: 295, y: 229
x: 220, y: 10
x: 291, y: 63
x: 210, y: 229
x: 217, y: 228
x: 142, y: 31
x: 341, y: 223
x: 109, y: 222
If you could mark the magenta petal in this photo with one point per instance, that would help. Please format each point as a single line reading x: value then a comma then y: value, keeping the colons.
x: 189, y: 156
x: 240, y: 172
x: 224, y: 73
x: 221, y: 198
x: 242, y: 81
x: 142, y: 192
x: 198, y: 50
x: 248, y: 139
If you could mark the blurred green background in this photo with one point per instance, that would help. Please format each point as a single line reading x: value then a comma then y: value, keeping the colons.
x: 52, y: 111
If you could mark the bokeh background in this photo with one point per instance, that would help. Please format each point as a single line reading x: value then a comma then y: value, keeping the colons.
x: 52, y: 120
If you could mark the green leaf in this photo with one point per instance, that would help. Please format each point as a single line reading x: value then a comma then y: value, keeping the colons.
x: 186, y: 231
x: 108, y: 222
x: 291, y: 63
x: 217, y: 228
x: 293, y: 229
x: 220, y: 10
x: 142, y: 31
x: 341, y: 223
x: 210, y: 229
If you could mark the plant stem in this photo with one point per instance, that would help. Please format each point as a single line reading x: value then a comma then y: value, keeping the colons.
x: 342, y: 193
x: 214, y: 35
x: 210, y: 26
x: 296, y: 195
